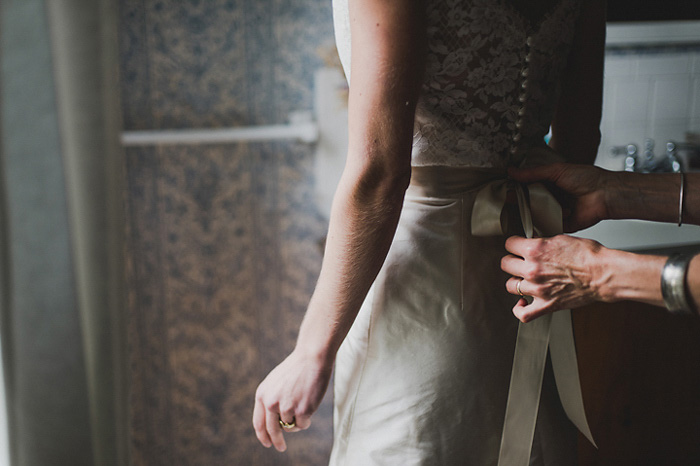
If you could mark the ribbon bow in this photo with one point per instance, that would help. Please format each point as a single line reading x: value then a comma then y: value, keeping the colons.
x: 540, y: 214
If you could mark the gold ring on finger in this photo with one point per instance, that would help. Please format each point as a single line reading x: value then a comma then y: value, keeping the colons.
x: 288, y: 425
x: 517, y: 287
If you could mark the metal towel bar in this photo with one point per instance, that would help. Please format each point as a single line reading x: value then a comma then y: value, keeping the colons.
x: 301, y: 127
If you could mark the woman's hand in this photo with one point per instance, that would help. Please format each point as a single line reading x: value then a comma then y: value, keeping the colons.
x: 291, y: 393
x: 584, y: 195
x: 561, y: 272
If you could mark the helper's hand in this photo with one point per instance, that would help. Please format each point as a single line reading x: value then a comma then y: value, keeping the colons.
x: 561, y: 272
x: 581, y: 189
x: 291, y: 392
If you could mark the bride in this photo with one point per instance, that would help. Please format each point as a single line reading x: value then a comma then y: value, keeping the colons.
x: 410, y: 305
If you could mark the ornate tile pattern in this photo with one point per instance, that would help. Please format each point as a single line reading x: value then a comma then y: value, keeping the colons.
x: 223, y: 240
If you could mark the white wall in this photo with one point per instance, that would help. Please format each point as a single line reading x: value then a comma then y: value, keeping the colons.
x: 652, y: 88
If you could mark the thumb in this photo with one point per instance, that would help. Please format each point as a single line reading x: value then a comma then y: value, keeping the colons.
x: 527, y: 310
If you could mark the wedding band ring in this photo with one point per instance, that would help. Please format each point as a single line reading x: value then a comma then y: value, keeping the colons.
x: 517, y: 287
x: 288, y: 425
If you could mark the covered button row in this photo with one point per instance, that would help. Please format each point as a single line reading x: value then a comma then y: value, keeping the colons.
x: 522, y: 98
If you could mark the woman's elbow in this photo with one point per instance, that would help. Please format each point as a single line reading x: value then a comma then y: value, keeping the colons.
x: 383, y: 182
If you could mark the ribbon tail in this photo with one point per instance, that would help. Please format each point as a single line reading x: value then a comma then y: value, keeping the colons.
x: 565, y: 367
x: 525, y: 213
x: 546, y: 211
x: 524, y: 393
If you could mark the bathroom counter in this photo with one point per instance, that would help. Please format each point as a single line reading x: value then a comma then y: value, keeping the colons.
x: 636, y: 235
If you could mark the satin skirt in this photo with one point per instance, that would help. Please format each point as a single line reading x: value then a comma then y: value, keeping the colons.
x: 422, y: 377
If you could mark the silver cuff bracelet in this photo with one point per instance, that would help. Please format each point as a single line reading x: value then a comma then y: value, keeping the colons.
x: 673, y: 288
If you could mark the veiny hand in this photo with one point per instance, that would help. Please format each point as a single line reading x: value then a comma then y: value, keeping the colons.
x: 292, y: 392
x: 561, y: 272
x: 583, y: 191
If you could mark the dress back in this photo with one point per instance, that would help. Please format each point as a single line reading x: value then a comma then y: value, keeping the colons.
x: 492, y: 78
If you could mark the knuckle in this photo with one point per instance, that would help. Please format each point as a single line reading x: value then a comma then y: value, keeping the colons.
x: 305, y: 410
x: 285, y: 408
x: 535, y: 246
x: 531, y: 272
x: 268, y: 402
x: 271, y: 404
x: 540, y: 245
x: 561, y: 242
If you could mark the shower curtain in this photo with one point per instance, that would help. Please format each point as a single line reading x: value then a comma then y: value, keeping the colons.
x: 61, y: 234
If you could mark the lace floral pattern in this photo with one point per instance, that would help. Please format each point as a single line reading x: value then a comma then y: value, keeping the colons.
x: 491, y: 82
x: 474, y: 102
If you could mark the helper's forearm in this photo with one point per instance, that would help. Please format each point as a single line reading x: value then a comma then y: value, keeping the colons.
x: 637, y: 277
x: 365, y: 213
x: 629, y: 276
x: 652, y: 196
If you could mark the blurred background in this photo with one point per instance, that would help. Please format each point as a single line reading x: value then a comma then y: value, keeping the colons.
x: 149, y: 280
x: 224, y: 239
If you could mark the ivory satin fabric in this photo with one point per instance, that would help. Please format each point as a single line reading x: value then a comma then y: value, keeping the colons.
x: 423, y: 375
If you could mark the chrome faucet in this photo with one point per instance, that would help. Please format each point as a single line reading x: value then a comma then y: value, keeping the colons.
x: 687, y: 155
x: 648, y: 162
x: 630, y: 153
x: 672, y: 157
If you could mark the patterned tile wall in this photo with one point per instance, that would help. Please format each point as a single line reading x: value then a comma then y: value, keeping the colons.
x: 224, y: 240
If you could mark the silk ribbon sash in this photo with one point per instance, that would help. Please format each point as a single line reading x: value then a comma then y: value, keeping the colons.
x: 540, y: 215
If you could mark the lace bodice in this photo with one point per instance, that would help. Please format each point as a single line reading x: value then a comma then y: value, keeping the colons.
x: 491, y: 81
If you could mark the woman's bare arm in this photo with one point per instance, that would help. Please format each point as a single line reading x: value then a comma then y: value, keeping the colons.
x: 387, y: 63
x: 388, y: 43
